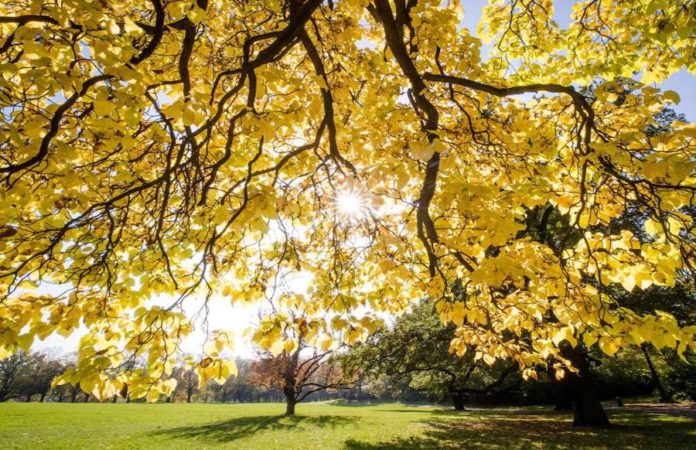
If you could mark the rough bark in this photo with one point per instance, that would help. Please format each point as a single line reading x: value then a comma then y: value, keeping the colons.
x: 587, y: 408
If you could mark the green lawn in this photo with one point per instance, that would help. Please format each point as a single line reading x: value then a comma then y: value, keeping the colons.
x: 324, y: 426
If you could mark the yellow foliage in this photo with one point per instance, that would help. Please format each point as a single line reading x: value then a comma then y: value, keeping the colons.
x: 167, y: 157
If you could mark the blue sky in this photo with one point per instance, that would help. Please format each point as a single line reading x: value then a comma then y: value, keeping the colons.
x: 682, y: 82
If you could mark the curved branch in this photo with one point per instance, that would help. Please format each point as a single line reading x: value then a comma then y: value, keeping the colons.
x: 392, y: 32
x: 54, y: 127
x: 157, y: 33
x: 327, y: 98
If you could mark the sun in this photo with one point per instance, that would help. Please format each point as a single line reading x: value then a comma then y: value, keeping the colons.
x: 350, y: 203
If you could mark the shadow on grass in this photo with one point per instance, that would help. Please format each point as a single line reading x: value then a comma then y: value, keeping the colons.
x: 241, y: 427
x: 355, y: 403
x: 510, y: 430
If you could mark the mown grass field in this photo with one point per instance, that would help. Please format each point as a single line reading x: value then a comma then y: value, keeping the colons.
x: 325, y: 426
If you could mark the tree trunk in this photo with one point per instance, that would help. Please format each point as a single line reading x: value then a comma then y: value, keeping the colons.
x: 563, y: 400
x: 664, y: 396
x: 290, y: 406
x: 42, y: 397
x: 458, y: 400
x: 189, y: 393
x: 114, y: 398
x: 290, y: 397
x: 86, y: 398
x: 587, y: 408
x: 28, y: 398
x: 289, y: 388
x: 73, y: 396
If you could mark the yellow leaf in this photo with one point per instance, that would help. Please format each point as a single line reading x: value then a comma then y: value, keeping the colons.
x: 152, y: 396
x: 671, y: 96
x: 609, y: 345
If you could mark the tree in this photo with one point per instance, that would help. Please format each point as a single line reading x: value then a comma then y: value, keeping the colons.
x: 195, y: 150
x: 38, y: 376
x: 11, y: 370
x: 26, y: 374
x: 297, y: 376
x: 187, y: 383
x: 416, y: 352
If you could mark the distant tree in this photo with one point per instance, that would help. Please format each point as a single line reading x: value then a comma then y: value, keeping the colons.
x: 416, y: 352
x: 187, y: 383
x: 11, y: 371
x: 45, y: 369
x: 298, y: 373
x: 27, y: 374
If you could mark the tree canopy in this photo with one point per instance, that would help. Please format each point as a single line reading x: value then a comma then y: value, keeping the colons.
x: 182, y: 151
x: 415, y: 353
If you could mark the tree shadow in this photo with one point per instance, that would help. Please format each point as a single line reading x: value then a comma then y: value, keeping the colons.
x: 355, y: 403
x: 241, y: 427
x: 524, y: 431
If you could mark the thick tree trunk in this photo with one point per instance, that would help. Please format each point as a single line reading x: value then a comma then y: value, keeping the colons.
x: 42, y: 397
x: 587, y: 408
x: 73, y: 396
x: 664, y: 396
x: 86, y: 400
x: 114, y: 399
x: 28, y: 398
x: 458, y: 400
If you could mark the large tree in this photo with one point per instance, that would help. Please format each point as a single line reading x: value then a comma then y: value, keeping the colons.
x: 415, y: 352
x: 188, y: 150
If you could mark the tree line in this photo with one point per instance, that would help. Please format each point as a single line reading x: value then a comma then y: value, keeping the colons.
x: 29, y: 376
x: 408, y: 362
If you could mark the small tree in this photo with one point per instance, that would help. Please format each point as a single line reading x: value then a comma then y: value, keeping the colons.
x: 298, y: 373
x: 187, y: 383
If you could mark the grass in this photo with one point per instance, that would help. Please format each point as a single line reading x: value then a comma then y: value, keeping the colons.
x: 325, y: 426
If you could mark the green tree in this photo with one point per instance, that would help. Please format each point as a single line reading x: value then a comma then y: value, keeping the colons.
x: 416, y: 352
